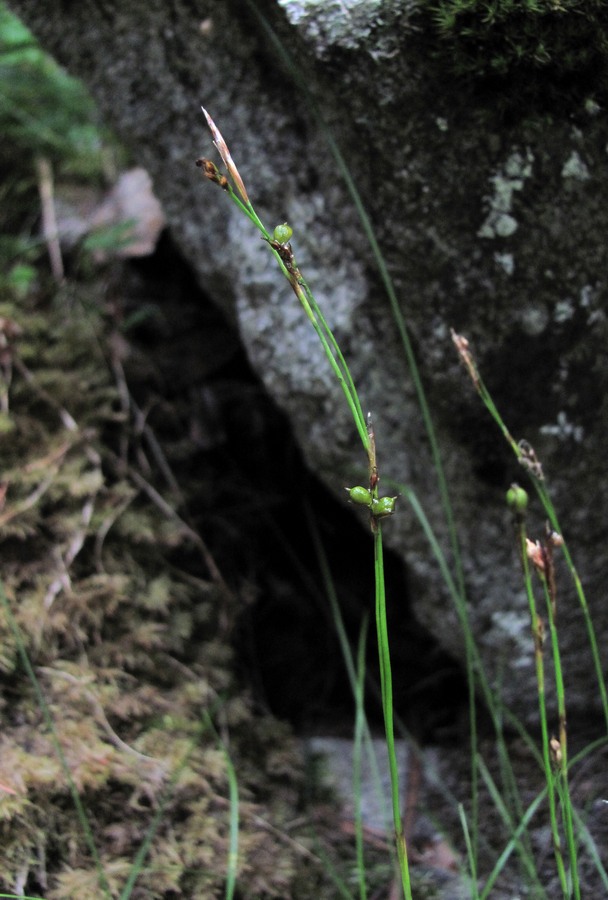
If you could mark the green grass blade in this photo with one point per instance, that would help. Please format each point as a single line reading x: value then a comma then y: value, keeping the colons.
x: 589, y: 843
x: 360, y: 726
x: 518, y: 840
x: 233, y: 789
x: 353, y: 670
x: 471, y: 854
x: 537, y: 479
x: 385, y: 276
x: 386, y: 683
x: 510, y: 847
x: 20, y: 897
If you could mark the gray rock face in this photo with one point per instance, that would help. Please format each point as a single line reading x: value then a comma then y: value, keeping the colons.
x: 496, y: 228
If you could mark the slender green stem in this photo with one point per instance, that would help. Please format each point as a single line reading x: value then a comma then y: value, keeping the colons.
x: 343, y: 376
x: 538, y: 635
x: 233, y: 851
x: 561, y: 761
x: 284, y: 255
x: 386, y: 682
x: 360, y: 727
x: 353, y: 670
x: 358, y: 414
x: 471, y: 853
x: 516, y: 840
x: 20, y: 897
x: 317, y: 319
x: 580, y: 593
x: 387, y: 281
x: 545, y: 499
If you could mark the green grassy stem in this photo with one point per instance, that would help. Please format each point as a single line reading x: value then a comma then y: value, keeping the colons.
x: 386, y: 682
x: 360, y: 729
x: 285, y: 258
x: 547, y: 504
x: 542, y: 708
x: 517, y: 841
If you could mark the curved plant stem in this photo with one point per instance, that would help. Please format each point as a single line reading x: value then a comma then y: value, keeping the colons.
x: 284, y: 255
x: 538, y: 635
x: 386, y: 683
x: 527, y: 458
x: 416, y: 378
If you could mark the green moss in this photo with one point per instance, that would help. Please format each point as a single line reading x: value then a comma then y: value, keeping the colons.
x: 550, y: 53
x: 130, y: 646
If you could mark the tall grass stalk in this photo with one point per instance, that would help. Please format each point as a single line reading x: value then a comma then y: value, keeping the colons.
x: 360, y: 730
x: 517, y: 841
x: 540, y: 555
x: 20, y: 897
x: 356, y: 673
x: 460, y: 596
x: 471, y: 850
x: 527, y: 458
x: 279, y: 243
x: 233, y: 788
x: 386, y: 684
x: 539, y: 637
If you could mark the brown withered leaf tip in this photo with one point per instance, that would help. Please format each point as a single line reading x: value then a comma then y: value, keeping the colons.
x: 462, y: 346
x: 224, y: 152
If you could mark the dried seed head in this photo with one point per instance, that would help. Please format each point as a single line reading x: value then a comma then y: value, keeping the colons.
x: 211, y: 171
x: 556, y: 539
x: 535, y: 554
x: 556, y: 751
x: 224, y: 152
x: 529, y: 460
x: 466, y: 358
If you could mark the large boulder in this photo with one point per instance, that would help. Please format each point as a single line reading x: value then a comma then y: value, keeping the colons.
x: 488, y: 202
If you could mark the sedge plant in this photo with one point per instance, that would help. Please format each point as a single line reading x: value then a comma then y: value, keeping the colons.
x: 537, y: 556
x: 379, y: 508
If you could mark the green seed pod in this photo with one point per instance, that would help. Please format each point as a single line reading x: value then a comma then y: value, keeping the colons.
x: 384, y: 506
x: 282, y: 233
x: 517, y: 499
x: 360, y: 495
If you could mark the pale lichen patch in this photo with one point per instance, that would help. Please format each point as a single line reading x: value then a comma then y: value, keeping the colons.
x: 500, y: 221
x: 575, y: 168
x: 563, y: 429
x: 505, y: 261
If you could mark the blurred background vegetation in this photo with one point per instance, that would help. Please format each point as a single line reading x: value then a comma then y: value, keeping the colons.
x: 46, y: 117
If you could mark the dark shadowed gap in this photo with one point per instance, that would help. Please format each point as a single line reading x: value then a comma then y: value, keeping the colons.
x: 236, y: 460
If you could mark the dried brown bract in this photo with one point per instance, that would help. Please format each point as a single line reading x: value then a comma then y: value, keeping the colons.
x: 466, y: 358
x: 224, y: 152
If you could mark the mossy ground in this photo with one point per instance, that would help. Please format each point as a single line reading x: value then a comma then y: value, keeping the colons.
x: 129, y: 634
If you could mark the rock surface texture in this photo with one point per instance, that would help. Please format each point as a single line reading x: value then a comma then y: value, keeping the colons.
x: 493, y: 223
